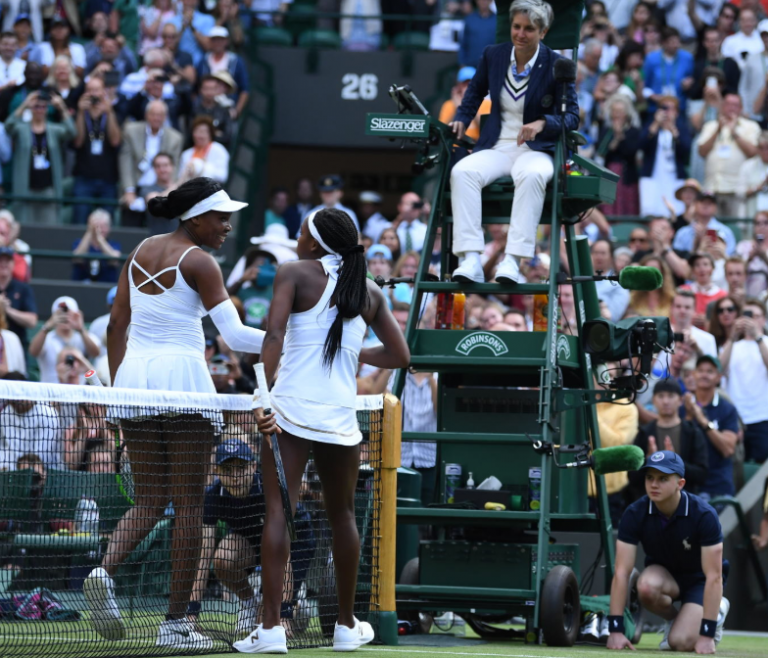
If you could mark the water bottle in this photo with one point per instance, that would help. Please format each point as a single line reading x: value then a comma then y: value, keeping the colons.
x: 470, y: 481
x: 87, y: 516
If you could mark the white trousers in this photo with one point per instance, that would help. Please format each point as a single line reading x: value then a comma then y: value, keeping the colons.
x: 530, y: 170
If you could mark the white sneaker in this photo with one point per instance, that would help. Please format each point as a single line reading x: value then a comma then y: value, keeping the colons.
x: 725, y: 606
x: 664, y: 644
x: 470, y: 270
x: 99, y: 591
x: 605, y: 629
x: 246, y: 616
x: 264, y: 641
x: 350, y: 639
x: 181, y: 634
x: 590, y: 631
x: 509, y: 271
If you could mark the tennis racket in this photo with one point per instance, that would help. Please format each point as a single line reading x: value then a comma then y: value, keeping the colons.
x: 261, y: 383
x: 124, y: 476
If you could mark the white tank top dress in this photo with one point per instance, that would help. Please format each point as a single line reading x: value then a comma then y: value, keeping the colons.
x: 166, y: 345
x: 309, y: 400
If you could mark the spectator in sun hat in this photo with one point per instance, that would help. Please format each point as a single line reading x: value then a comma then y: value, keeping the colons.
x: 449, y: 107
x: 219, y: 58
x: 379, y: 258
x: 208, y: 103
x: 686, y: 194
x: 331, y: 189
x: 373, y: 221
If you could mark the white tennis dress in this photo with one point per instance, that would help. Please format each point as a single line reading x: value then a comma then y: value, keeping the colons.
x: 166, y: 345
x: 310, y: 401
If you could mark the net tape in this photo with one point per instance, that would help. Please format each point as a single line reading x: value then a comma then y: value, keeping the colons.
x: 59, y: 511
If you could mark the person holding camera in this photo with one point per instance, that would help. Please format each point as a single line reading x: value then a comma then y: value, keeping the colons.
x: 97, y: 144
x: 63, y: 329
x: 745, y: 364
x: 38, y: 155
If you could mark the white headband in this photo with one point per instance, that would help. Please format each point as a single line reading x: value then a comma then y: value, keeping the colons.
x: 218, y: 201
x: 316, y: 234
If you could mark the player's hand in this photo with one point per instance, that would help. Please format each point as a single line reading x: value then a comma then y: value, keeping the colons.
x: 458, y: 128
x: 619, y: 641
x: 652, y: 445
x: 705, y: 645
x: 267, y: 424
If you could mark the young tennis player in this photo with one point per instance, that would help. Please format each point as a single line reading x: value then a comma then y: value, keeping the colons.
x: 321, y: 307
x: 165, y: 289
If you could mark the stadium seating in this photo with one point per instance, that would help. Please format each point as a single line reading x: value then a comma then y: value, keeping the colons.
x: 15, y: 489
x: 320, y: 39
x: 272, y: 36
x: 411, y: 41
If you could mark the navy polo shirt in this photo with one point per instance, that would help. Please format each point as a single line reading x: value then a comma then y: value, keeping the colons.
x: 673, y: 543
x: 720, y: 474
x: 244, y: 516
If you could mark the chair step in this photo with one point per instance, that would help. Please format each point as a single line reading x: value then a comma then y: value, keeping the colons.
x: 486, y: 288
x: 471, y: 437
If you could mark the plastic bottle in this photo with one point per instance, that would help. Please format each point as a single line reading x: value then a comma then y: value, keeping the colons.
x: 444, y: 314
x: 470, y: 481
x: 459, y: 299
x: 87, y: 516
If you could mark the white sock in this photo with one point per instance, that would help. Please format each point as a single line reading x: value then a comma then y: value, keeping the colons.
x: 469, y: 257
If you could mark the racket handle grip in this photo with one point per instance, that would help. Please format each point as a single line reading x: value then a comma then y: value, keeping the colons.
x: 261, y: 384
x: 92, y: 378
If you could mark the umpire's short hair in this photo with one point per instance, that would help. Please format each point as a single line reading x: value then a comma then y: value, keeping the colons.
x: 539, y: 12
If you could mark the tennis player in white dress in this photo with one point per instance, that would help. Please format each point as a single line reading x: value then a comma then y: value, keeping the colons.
x: 167, y: 286
x: 321, y: 306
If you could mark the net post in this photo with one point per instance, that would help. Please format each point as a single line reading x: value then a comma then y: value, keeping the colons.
x: 385, y: 538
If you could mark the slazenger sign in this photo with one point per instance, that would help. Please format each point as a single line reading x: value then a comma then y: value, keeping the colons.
x: 481, y: 339
x: 402, y: 126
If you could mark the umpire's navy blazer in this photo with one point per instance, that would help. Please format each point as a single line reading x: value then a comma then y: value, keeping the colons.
x: 542, y: 100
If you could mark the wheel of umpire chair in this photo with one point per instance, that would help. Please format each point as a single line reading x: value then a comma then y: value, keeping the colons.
x: 272, y: 36
x: 560, y: 609
x: 411, y: 41
x: 326, y: 39
x: 635, y: 606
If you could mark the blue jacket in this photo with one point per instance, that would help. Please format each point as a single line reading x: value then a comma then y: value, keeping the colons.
x: 657, y: 74
x: 541, y: 100
x: 478, y: 33
x: 649, y: 143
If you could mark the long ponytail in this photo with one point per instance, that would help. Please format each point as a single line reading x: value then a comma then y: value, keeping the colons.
x: 351, y: 294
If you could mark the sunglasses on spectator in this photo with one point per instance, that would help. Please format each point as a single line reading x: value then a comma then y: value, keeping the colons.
x: 667, y: 107
x: 726, y: 309
x: 638, y: 238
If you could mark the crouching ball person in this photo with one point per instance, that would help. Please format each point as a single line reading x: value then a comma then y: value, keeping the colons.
x: 683, y: 543
x: 517, y: 140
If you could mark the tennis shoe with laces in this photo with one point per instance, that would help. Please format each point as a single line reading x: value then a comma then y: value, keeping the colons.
x: 350, y: 639
x: 272, y: 640
x: 99, y: 591
x: 181, y: 634
x: 725, y: 606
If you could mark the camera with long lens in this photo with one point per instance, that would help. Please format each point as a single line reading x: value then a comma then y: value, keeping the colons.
x: 628, y: 338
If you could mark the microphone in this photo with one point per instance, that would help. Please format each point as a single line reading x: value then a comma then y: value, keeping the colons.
x: 637, y: 277
x: 612, y: 460
x: 565, y: 73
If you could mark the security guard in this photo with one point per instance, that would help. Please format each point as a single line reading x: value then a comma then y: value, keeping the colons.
x: 331, y: 191
x: 683, y: 544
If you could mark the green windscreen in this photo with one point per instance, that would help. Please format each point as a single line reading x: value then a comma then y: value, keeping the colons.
x: 565, y: 29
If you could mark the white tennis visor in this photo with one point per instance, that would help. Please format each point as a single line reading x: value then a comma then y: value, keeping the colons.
x: 218, y: 201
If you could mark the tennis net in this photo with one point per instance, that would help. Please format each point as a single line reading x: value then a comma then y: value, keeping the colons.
x: 160, y: 490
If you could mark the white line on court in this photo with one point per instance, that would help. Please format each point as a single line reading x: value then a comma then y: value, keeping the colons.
x: 459, y: 653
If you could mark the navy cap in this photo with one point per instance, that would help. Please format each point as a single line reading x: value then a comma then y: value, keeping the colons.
x: 330, y: 183
x: 379, y: 250
x: 22, y: 17
x: 234, y: 449
x: 666, y: 461
x: 6, y: 251
x: 669, y: 385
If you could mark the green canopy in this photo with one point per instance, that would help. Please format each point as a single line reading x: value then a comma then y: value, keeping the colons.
x: 565, y: 30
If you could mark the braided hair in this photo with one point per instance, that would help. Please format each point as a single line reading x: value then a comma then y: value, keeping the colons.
x: 183, y: 197
x: 340, y: 234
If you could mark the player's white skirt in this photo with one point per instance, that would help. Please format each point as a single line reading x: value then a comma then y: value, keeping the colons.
x: 316, y: 421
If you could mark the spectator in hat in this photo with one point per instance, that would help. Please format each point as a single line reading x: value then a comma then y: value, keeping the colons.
x: 331, y: 192
x: 725, y: 145
x: 745, y: 363
x: 206, y: 157
x: 95, y: 242
x: 17, y: 299
x: 296, y: 212
x: 207, y: 104
x: 26, y: 11
x: 99, y: 326
x: 379, y: 258
x: 479, y: 32
x: 59, y: 44
x: 702, y: 266
x: 254, y: 287
x: 689, y: 237
x: 685, y: 194
x: 671, y: 432
x: 373, y: 221
x: 219, y: 58
x: 97, y: 146
x: 193, y: 27
x: 11, y: 66
x: 449, y: 107
x: 719, y: 421
x: 63, y: 329
x: 666, y: 145
x: 38, y: 156
x: 22, y: 28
